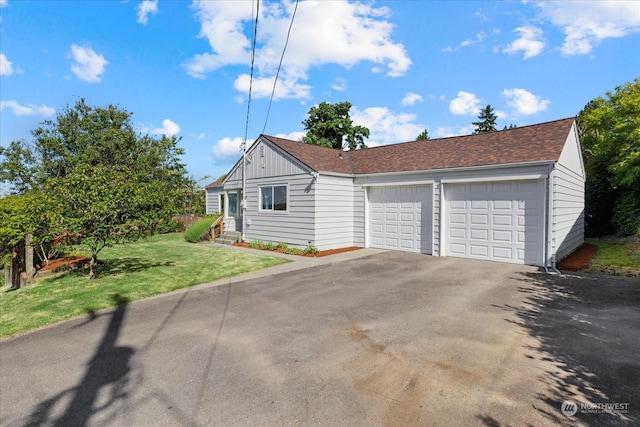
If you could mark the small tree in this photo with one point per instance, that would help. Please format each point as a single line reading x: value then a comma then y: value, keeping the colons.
x: 423, y: 135
x: 330, y: 125
x: 487, y: 121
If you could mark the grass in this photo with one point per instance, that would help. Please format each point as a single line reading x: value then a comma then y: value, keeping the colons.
x: 196, y: 230
x: 131, y: 272
x: 616, y: 255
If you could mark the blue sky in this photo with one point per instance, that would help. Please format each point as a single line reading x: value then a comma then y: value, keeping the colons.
x: 182, y: 68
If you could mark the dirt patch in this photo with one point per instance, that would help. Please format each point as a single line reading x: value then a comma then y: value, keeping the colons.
x: 319, y: 254
x: 64, y: 263
x: 579, y: 260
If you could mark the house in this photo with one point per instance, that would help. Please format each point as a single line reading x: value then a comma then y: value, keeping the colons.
x: 515, y: 195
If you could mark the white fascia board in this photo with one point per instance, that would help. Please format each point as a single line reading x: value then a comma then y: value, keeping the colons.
x: 399, y: 183
x: 460, y: 169
x: 514, y: 177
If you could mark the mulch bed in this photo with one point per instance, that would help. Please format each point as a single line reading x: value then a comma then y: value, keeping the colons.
x: 319, y: 254
x: 64, y: 263
x: 579, y: 260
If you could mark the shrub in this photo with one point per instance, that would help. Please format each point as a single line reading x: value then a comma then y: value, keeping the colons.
x: 311, y: 250
x: 626, y: 217
x: 257, y: 244
x: 271, y: 246
x: 281, y: 245
x: 199, y: 230
x: 293, y: 251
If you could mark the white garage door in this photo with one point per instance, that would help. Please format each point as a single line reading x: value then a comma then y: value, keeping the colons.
x: 400, y: 218
x: 499, y: 221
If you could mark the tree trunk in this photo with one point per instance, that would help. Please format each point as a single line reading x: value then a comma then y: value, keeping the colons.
x: 28, y: 258
x: 93, y: 264
x: 14, y: 270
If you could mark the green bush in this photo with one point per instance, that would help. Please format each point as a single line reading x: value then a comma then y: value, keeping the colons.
x: 311, y: 250
x: 199, y: 230
x: 293, y: 251
x: 626, y: 217
x: 257, y: 244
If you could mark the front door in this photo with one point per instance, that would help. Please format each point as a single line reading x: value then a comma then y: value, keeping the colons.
x: 233, y: 215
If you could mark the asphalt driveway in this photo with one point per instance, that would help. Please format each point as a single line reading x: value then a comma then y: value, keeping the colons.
x: 386, y: 339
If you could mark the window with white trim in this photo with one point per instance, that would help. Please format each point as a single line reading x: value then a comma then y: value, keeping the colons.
x: 273, y: 198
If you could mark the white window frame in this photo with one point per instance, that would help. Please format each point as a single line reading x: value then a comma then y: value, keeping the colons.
x: 272, y: 187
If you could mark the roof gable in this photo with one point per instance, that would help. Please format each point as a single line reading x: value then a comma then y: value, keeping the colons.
x: 534, y: 143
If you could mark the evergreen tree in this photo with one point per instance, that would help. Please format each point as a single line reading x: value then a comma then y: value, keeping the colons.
x: 423, y: 135
x: 487, y: 121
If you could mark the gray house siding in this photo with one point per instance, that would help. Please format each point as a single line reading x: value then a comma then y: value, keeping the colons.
x: 295, y: 227
x: 334, y: 213
x: 213, y: 200
x: 568, y: 180
x: 359, y: 225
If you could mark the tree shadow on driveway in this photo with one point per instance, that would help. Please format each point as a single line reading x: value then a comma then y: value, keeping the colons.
x: 588, y: 329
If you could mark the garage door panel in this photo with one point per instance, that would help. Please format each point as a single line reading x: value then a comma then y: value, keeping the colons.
x: 479, y: 234
x: 401, y: 217
x: 500, y: 221
x: 479, y: 250
x: 502, y: 205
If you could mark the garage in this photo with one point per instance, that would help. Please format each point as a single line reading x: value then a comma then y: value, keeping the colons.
x: 401, y: 218
x: 497, y: 221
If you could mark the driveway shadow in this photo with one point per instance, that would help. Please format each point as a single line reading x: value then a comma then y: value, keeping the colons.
x: 588, y: 327
x: 109, y: 367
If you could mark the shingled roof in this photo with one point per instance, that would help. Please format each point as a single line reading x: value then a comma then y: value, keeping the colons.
x: 540, y: 142
x: 214, y: 184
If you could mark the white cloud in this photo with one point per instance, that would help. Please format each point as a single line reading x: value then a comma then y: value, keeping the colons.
x: 339, y: 84
x: 287, y: 87
x: 524, y: 102
x: 447, y: 131
x: 293, y: 136
x: 530, y: 42
x: 146, y: 8
x: 4, y: 3
x: 88, y: 65
x: 465, y: 103
x: 169, y: 128
x: 228, y: 147
x: 386, y: 127
x: 28, y: 110
x: 340, y: 33
x: 467, y: 42
x: 586, y: 23
x: 410, y: 99
x: 6, y: 66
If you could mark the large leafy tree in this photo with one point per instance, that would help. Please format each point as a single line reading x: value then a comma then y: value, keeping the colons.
x: 330, y: 125
x: 111, y: 184
x: 610, y: 136
x: 486, y: 121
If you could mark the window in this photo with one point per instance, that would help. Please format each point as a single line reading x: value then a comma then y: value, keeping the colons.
x: 273, y: 198
x: 233, y: 204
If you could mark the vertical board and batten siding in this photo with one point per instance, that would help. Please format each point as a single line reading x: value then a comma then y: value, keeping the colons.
x: 568, y: 199
x: 213, y: 200
x: 334, y: 212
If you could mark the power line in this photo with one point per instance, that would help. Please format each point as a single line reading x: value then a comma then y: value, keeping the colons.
x: 275, y: 82
x: 253, y: 56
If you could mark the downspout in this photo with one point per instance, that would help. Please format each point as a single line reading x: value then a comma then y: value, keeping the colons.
x: 549, y: 255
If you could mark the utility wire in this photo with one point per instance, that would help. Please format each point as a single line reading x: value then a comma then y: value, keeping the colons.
x: 253, y: 56
x: 275, y: 82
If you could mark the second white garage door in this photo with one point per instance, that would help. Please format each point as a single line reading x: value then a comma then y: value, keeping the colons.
x: 400, y: 218
x: 499, y: 221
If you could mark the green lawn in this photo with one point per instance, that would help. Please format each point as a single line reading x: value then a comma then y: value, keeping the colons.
x: 616, y: 255
x: 161, y: 264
